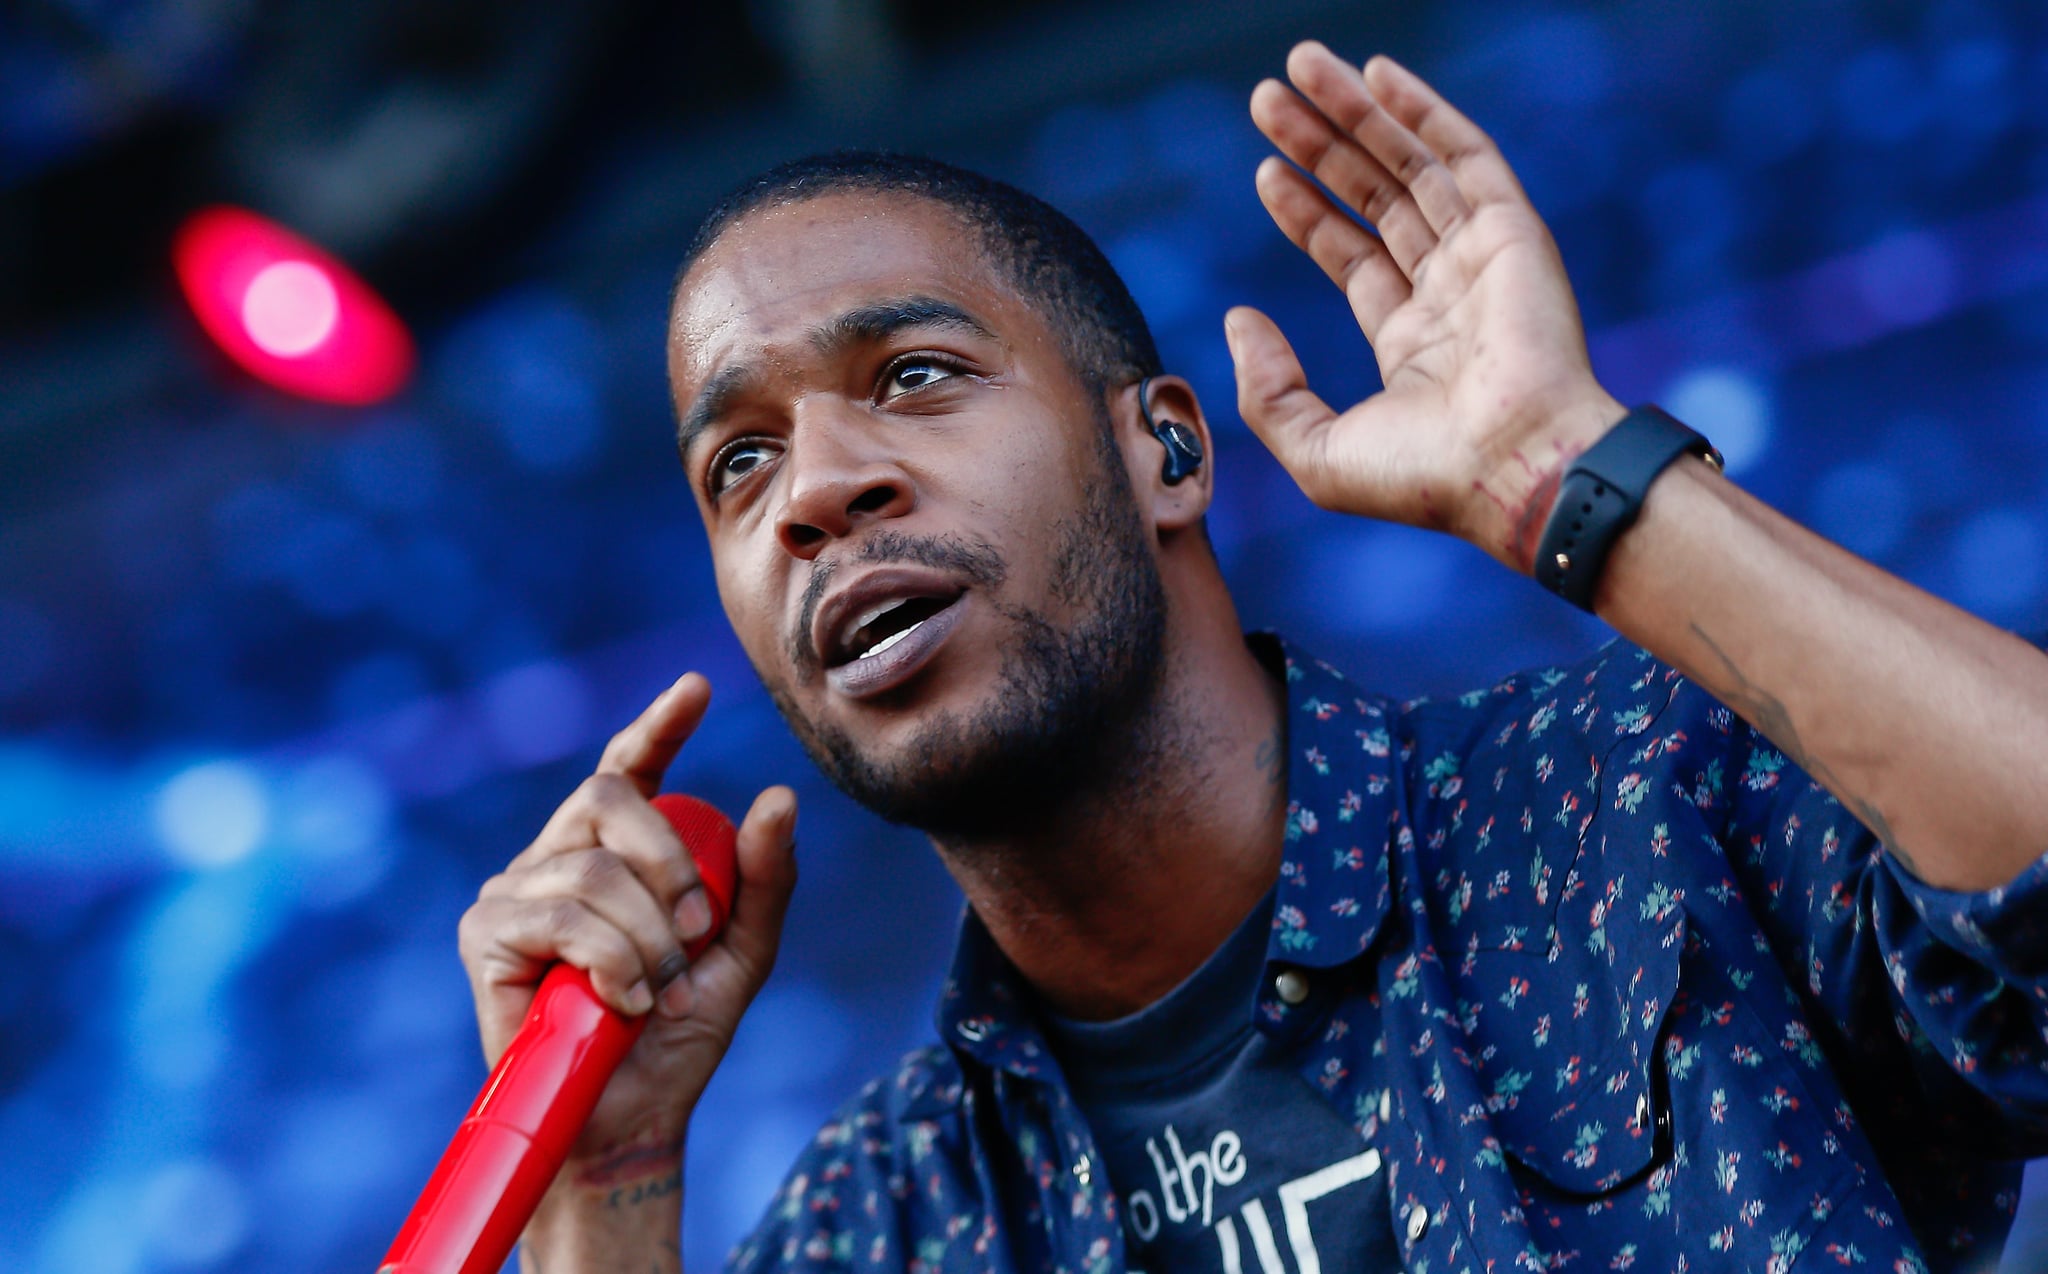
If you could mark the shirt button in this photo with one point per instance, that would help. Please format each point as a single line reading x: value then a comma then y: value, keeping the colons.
x: 1292, y: 986
x: 1386, y: 1103
x: 973, y: 1031
x: 1418, y: 1222
x: 1642, y: 1110
x: 1084, y: 1171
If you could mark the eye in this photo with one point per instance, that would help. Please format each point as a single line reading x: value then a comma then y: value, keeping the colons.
x: 912, y: 374
x: 735, y: 461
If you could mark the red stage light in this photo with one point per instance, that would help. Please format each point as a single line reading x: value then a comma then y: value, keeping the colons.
x: 288, y: 313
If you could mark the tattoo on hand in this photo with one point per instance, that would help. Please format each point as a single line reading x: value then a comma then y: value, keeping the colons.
x: 1769, y: 715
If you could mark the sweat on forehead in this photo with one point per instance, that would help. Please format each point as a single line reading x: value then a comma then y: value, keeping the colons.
x: 1050, y: 261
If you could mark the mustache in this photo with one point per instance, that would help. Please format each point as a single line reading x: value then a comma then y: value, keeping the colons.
x: 974, y: 560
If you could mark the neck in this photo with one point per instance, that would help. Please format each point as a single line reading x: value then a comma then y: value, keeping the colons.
x: 1121, y: 892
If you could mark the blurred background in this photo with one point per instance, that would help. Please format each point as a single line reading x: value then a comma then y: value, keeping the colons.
x: 282, y: 681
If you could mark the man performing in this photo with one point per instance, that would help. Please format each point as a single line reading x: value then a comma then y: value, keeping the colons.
x: 1262, y: 972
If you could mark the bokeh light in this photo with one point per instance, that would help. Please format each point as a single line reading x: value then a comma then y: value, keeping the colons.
x: 290, y: 308
x: 212, y: 814
x: 288, y: 313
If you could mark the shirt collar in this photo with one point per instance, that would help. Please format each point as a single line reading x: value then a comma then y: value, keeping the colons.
x: 1342, y: 809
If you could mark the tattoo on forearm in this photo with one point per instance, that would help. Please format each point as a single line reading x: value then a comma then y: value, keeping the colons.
x: 644, y: 1191
x: 1271, y: 757
x: 1768, y: 714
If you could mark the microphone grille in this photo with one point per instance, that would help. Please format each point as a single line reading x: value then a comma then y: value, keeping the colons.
x: 710, y: 838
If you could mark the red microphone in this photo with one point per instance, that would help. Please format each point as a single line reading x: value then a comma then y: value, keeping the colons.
x: 518, y: 1133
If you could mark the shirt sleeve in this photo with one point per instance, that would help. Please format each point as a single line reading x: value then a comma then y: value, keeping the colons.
x: 1936, y: 1001
x: 892, y: 1182
x: 835, y: 1211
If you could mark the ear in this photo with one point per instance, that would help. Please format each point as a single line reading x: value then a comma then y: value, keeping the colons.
x: 1176, y: 506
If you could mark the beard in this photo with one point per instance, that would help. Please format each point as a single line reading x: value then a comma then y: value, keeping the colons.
x: 1069, y: 719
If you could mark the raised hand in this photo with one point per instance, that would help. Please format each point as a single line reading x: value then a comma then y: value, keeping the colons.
x: 1488, y: 392
x: 607, y: 886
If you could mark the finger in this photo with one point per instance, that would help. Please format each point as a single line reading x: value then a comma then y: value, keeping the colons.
x: 766, y: 851
x: 509, y: 942
x: 603, y: 882
x: 1341, y: 93
x: 608, y: 810
x: 766, y: 854
x: 644, y: 750
x: 1354, y: 258
x: 1482, y: 174
x: 1305, y: 136
x: 1272, y: 391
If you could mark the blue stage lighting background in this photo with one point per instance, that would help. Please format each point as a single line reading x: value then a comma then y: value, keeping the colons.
x: 281, y: 685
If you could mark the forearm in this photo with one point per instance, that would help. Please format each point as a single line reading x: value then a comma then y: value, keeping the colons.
x: 607, y: 1222
x: 1925, y: 722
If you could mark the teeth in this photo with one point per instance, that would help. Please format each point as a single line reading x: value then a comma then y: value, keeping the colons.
x: 870, y: 616
x: 889, y: 641
x: 866, y: 617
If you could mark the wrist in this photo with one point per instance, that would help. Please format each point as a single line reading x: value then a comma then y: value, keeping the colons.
x: 631, y: 1166
x: 1523, y: 484
x: 1602, y: 493
x: 619, y: 1210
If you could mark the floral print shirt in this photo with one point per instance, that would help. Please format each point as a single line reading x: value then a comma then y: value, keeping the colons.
x: 1607, y: 981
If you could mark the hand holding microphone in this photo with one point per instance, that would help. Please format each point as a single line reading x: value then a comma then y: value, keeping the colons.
x: 609, y: 889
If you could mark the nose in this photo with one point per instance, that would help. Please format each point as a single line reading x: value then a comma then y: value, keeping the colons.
x: 840, y: 476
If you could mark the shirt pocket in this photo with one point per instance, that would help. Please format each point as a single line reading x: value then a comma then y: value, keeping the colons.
x: 1569, y: 1072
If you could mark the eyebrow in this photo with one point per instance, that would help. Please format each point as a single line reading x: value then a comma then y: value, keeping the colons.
x: 878, y: 322
x: 865, y: 325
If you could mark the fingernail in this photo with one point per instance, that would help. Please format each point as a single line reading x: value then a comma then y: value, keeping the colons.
x: 693, y: 915
x: 639, y: 999
x: 676, y: 998
x: 671, y: 969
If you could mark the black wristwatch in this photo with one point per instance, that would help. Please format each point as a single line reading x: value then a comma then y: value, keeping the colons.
x: 1601, y: 495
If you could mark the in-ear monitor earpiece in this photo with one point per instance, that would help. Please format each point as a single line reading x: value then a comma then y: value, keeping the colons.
x: 1183, y: 445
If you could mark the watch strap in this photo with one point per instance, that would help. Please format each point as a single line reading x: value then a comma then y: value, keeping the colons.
x: 1602, y: 494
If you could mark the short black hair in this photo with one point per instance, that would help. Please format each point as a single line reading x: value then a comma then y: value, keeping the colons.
x: 1053, y: 264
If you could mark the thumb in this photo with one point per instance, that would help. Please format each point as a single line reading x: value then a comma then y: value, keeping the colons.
x: 1272, y: 391
x: 766, y: 850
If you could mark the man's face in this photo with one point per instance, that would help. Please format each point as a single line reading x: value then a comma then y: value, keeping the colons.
x: 923, y: 536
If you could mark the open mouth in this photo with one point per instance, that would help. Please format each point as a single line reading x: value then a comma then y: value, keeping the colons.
x: 877, y: 630
x: 886, y: 642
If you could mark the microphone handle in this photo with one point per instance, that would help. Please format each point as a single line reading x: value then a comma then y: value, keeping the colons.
x: 518, y: 1132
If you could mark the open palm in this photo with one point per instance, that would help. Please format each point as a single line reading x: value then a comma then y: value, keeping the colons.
x: 1488, y: 390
